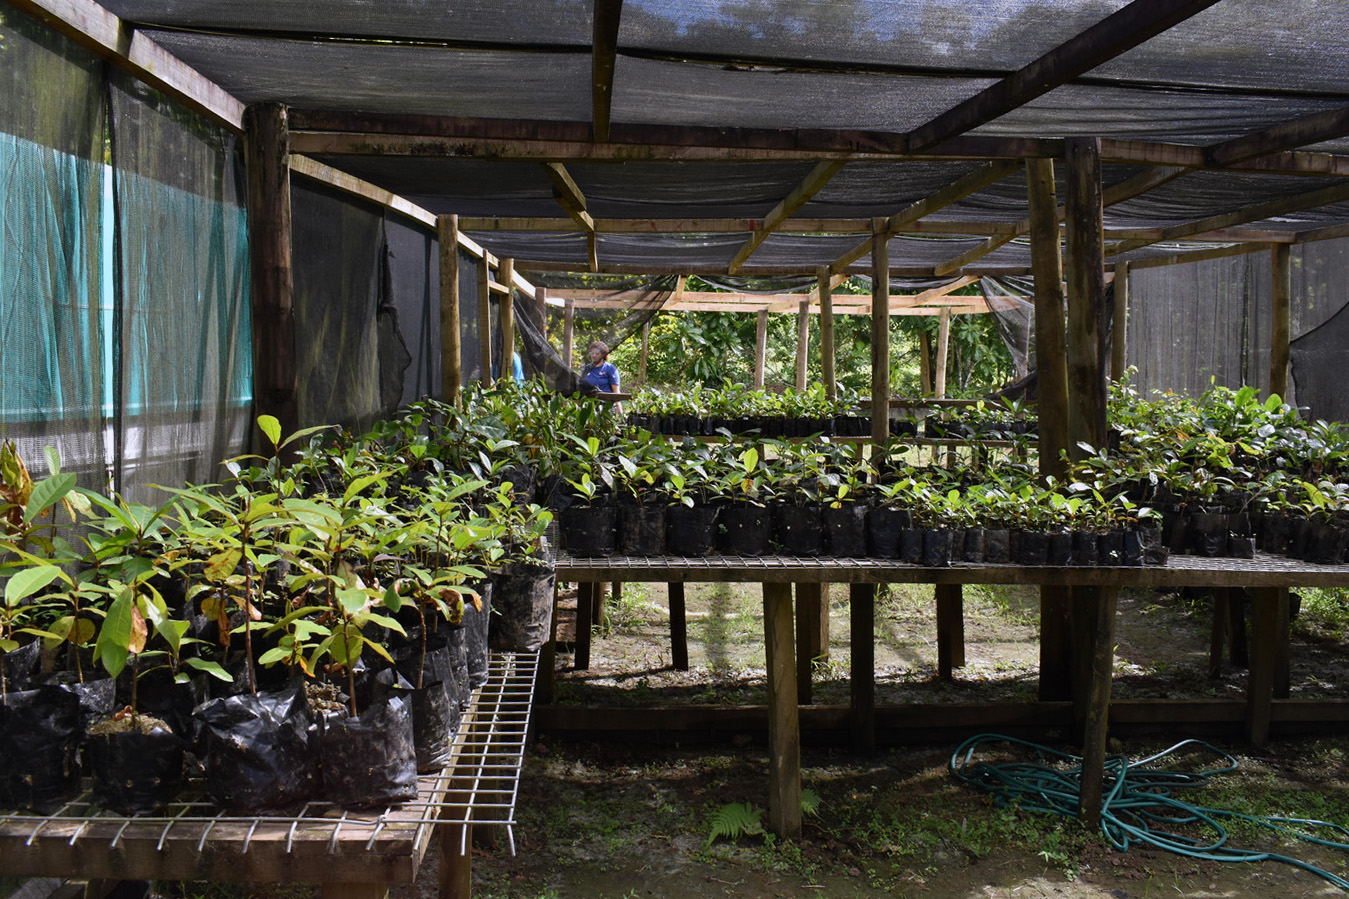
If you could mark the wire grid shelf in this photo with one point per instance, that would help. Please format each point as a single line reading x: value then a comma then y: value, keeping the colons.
x: 480, y: 784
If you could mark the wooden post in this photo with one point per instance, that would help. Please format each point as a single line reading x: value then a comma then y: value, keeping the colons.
x: 880, y: 331
x: 1102, y: 653
x: 1052, y: 386
x: 862, y: 665
x: 1120, y: 322
x: 827, y: 331
x: 585, y: 610
x: 1280, y: 260
x: 760, y: 347
x: 451, y: 350
x: 271, y: 272
x: 802, y: 342
x: 646, y: 346
x: 679, y: 631
x: 546, y: 678
x: 568, y: 332
x: 943, y: 348
x: 1086, y: 296
x: 925, y: 362
x: 456, y: 870
x: 950, y: 629
x: 485, y: 322
x: 784, y: 730
x: 506, y: 273
x: 1268, y: 605
x: 812, y: 636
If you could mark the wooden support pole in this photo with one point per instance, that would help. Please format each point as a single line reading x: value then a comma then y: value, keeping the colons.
x: 1222, y: 604
x: 485, y: 322
x: 862, y: 665
x: 506, y: 272
x: 1119, y: 326
x: 802, y: 342
x: 679, y: 630
x: 760, y: 347
x: 271, y: 271
x: 568, y: 332
x: 451, y: 350
x: 1238, y: 646
x: 880, y: 331
x: 646, y: 347
x: 784, y: 730
x: 1056, y: 641
x: 827, y: 331
x: 546, y: 677
x: 950, y: 629
x: 1268, y: 606
x: 943, y: 349
x: 1281, y: 330
x: 811, y: 637
x: 1086, y: 296
x: 925, y: 361
x: 585, y: 609
x: 1102, y: 656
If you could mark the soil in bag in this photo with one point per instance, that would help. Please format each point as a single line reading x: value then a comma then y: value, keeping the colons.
x: 845, y: 530
x: 258, y: 755
x: 797, y: 529
x: 745, y: 529
x: 690, y: 531
x: 436, y: 711
x: 39, y: 733
x: 370, y: 760
x: 884, y: 526
x: 641, y: 529
x: 522, y: 597
x: 587, y: 530
x: 136, y: 764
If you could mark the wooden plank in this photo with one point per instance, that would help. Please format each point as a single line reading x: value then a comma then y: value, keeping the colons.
x: 679, y: 631
x: 880, y: 333
x: 1086, y: 297
x: 1312, y: 129
x: 108, y: 37
x: 271, y: 269
x: 603, y: 55
x: 311, y: 168
x: 506, y: 314
x: 1102, y: 655
x: 950, y: 629
x: 802, y: 342
x: 826, y: 293
x: 1117, y: 33
x: 814, y: 181
x: 943, y: 351
x: 1180, y: 258
x: 760, y: 348
x: 569, y: 196
x: 962, y: 187
x: 451, y: 350
x: 784, y: 731
x: 484, y: 323
x: 648, y: 269
x: 1119, y: 322
x: 955, y: 264
x: 721, y: 225
x: 455, y: 875
x: 862, y: 666
x: 1281, y: 328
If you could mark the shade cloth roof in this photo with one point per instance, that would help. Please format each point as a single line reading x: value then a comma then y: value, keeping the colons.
x: 675, y: 127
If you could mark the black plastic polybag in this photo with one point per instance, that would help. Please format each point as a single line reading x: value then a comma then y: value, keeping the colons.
x: 370, y: 759
x: 258, y: 755
x: 135, y: 772
x: 39, y: 733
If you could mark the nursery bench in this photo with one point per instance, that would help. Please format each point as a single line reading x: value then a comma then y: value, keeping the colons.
x: 1267, y: 577
x: 350, y: 854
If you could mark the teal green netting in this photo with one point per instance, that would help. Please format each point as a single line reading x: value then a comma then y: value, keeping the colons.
x: 51, y: 333
x: 184, y: 365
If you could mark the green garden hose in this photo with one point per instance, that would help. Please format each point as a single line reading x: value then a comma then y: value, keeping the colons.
x: 1139, y: 806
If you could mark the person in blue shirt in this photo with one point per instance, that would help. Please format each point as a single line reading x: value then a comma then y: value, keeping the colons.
x: 600, y: 373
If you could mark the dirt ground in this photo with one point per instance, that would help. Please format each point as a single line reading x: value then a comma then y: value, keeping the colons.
x: 607, y: 819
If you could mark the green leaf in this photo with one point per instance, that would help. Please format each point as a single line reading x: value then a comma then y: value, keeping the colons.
x: 114, y: 638
x: 53, y: 459
x: 269, y: 425
x: 734, y: 820
x: 222, y: 564
x: 29, y: 581
x: 810, y: 801
x: 209, y: 667
x: 351, y: 599
x: 46, y: 494
x: 392, y: 601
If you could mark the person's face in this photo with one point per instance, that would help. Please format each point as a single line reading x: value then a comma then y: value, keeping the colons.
x: 595, y: 354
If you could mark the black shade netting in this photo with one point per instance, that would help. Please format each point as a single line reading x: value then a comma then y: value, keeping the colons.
x: 339, y: 286
x: 1320, y: 294
x: 613, y: 310
x: 470, y: 353
x: 183, y: 360
x: 1013, y: 310
x: 409, y: 316
x: 52, y: 385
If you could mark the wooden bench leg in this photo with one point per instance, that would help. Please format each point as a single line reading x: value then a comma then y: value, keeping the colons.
x: 1102, y: 657
x: 679, y: 631
x: 1269, y: 621
x: 585, y: 607
x: 546, y: 676
x: 1238, y: 646
x: 784, y: 730
x: 862, y: 664
x: 1056, y: 641
x: 950, y: 629
x: 809, y: 638
x: 456, y: 870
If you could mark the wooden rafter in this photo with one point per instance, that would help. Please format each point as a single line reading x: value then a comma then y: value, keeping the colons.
x: 800, y: 195
x: 954, y: 192
x: 1115, y: 34
x: 1337, y: 193
x: 1285, y: 136
x: 573, y: 201
x: 604, y: 53
x: 1198, y: 255
x: 723, y: 226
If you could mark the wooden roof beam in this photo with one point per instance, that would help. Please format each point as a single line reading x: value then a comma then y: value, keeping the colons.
x: 603, y: 54
x: 1115, y: 34
x: 722, y: 226
x: 971, y: 183
x: 1197, y: 255
x: 570, y: 198
x: 1325, y: 196
x: 1301, y: 132
x: 800, y: 195
x: 803, y: 268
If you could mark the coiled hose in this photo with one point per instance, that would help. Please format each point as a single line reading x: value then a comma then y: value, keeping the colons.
x: 1139, y: 806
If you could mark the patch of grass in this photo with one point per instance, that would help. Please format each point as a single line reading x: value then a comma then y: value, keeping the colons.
x: 1324, y: 612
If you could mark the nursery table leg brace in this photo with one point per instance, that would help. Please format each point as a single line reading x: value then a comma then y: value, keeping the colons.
x: 784, y: 726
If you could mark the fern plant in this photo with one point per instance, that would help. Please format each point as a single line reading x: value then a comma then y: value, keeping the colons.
x: 734, y: 820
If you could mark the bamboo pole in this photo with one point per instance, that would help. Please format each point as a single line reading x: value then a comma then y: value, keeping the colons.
x: 1280, y: 259
x: 451, y: 352
x: 760, y: 348
x: 880, y: 331
x: 943, y: 349
x: 1119, y: 322
x: 826, y: 290
x: 484, y: 323
x: 802, y: 342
